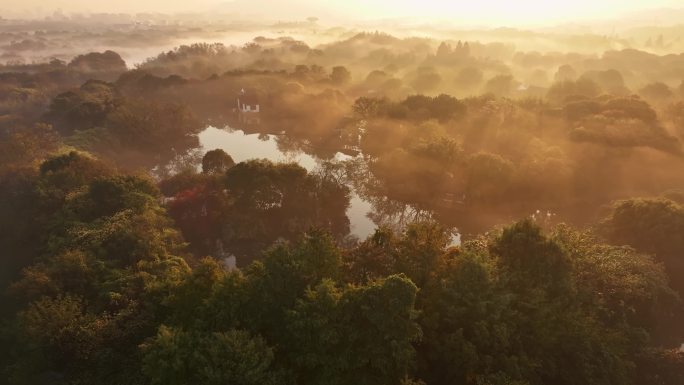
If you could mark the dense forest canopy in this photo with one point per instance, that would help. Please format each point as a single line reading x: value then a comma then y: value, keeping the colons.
x: 527, y: 203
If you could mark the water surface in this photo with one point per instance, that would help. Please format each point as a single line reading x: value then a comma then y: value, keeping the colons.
x: 241, y: 147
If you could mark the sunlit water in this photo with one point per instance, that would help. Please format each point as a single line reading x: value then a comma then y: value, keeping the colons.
x: 241, y: 147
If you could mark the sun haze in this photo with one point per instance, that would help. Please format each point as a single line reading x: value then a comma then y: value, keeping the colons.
x: 483, y: 12
x: 374, y: 192
x: 521, y: 12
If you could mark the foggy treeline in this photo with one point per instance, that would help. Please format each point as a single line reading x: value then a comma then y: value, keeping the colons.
x: 527, y: 188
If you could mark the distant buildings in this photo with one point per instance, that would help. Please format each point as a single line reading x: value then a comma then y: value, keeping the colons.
x: 248, y: 107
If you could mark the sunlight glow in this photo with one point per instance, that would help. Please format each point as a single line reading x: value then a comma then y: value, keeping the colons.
x: 468, y: 12
x: 518, y: 12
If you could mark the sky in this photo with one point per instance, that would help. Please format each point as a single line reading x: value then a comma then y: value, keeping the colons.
x: 481, y: 12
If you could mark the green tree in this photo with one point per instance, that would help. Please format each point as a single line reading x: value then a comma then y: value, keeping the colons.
x: 274, y: 284
x: 654, y: 226
x: 650, y: 225
x: 489, y: 177
x: 505, y: 309
x: 531, y: 259
x: 634, y: 289
x: 272, y: 201
x: 466, y: 323
x: 373, y: 258
x: 107, y: 61
x: 105, y: 263
x: 178, y: 357
x: 216, y: 162
x: 420, y: 249
x: 359, y: 335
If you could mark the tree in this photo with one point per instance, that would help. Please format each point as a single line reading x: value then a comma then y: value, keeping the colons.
x: 657, y: 366
x: 354, y: 335
x: 657, y: 91
x: 469, y: 78
x: 340, y: 75
x: 501, y: 85
x: 444, y: 50
x: 649, y: 225
x: 377, y: 79
x: 539, y: 275
x: 653, y: 226
x: 634, y: 288
x: 532, y: 260
x: 373, y: 258
x: 108, y: 61
x: 565, y: 73
x: 98, y: 118
x: 466, y: 324
x: 84, y: 108
x: 426, y: 81
x: 273, y: 201
x: 565, y: 90
x: 610, y: 81
x: 503, y: 309
x: 420, y: 249
x: 108, y: 258
x: 178, y: 357
x: 445, y: 108
x: 254, y: 204
x: 367, y: 108
x: 274, y: 283
x: 26, y: 145
x: 489, y: 177
x: 216, y: 162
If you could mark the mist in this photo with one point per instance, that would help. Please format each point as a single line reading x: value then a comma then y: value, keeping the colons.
x: 358, y: 192
x: 489, y: 13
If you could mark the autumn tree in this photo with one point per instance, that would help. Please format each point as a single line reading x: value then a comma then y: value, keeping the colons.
x: 216, y: 161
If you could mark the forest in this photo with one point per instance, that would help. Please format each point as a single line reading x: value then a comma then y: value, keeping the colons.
x: 527, y: 209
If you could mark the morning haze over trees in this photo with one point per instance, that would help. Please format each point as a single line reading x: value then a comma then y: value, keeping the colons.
x: 215, y: 198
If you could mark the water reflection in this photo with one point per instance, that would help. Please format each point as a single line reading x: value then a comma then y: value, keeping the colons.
x: 242, y: 146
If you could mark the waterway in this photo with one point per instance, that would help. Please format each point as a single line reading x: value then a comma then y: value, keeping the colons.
x: 241, y: 146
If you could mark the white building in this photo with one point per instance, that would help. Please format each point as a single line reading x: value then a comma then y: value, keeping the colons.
x: 247, y: 102
x: 248, y: 107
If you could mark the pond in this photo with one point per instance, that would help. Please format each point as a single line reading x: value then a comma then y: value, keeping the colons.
x: 242, y: 146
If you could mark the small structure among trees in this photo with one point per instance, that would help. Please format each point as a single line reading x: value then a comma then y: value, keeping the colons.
x: 248, y: 107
